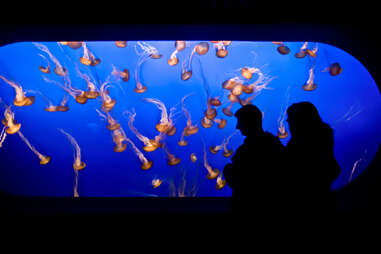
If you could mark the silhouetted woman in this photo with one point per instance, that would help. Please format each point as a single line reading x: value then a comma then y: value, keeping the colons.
x: 313, y: 166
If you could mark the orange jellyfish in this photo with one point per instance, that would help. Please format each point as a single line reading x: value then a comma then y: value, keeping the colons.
x: 150, y: 145
x: 190, y: 129
x: 230, y: 83
x: 156, y: 183
x: 227, y: 110
x: 92, y: 92
x: 212, y: 173
x: 193, y: 157
x: 107, y: 103
x: 228, y: 152
x: 121, y: 44
x: 50, y: 107
x: 201, y: 49
x: 146, y: 164
x: 148, y: 50
x: 118, y: 136
x: 88, y: 57
x: 173, y: 60
x: 20, y: 99
x: 312, y: 52
x: 334, y: 69
x: 302, y: 52
x: 78, y: 164
x: 125, y: 74
x: 172, y: 159
x: 247, y: 100
x: 221, y: 123
x: 260, y: 84
x: 59, y: 70
x: 166, y: 123
x: 310, y: 85
x: 282, y: 49
x: 9, y: 122
x: 63, y: 107
x: 221, y: 50
x: 206, y: 123
x: 220, y: 183
x: 47, y: 68
x: 43, y: 158
x: 74, y: 44
x: 112, y: 124
x: 77, y: 94
x: 282, y: 133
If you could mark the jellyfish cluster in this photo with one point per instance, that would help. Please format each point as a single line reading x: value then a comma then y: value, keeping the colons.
x: 241, y: 87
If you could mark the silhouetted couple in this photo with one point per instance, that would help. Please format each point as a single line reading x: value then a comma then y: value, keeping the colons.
x: 271, y: 179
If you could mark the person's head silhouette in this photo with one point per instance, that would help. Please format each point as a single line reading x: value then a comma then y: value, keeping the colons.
x: 303, y: 119
x: 249, y: 120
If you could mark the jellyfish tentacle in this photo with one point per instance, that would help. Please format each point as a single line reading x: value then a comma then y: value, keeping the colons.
x: 3, y: 135
x: 43, y: 159
x: 78, y: 163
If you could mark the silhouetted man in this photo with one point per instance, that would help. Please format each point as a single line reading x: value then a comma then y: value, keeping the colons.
x: 311, y: 156
x: 255, y: 174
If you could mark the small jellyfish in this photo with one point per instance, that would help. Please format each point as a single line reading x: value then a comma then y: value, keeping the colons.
x: 146, y: 164
x: 334, y: 69
x: 107, y: 103
x: 310, y: 85
x: 186, y: 73
x: 78, y: 164
x: 43, y: 158
x: 92, y: 92
x: 210, y: 112
x: 118, y: 136
x: 156, y: 183
x: 221, y: 123
x: 59, y: 70
x: 302, y: 52
x: 312, y: 52
x: 220, y: 183
x: 193, y: 157
x: 166, y: 123
x: 201, y: 49
x: 74, y: 44
x: 215, y: 102
x: 237, y: 89
x: 63, y: 107
x: 81, y: 98
x: 172, y: 159
x: 190, y: 129
x: 227, y: 110
x: 46, y: 69
x: 173, y: 60
x: 221, y: 50
x: 228, y: 152
x: 212, y: 173
x: 9, y: 122
x: 20, y: 99
x: 88, y: 57
x: 206, y: 123
x: 231, y: 83
x: 282, y: 49
x: 150, y: 145
x: 121, y: 44
x: 124, y: 75
x: 112, y: 124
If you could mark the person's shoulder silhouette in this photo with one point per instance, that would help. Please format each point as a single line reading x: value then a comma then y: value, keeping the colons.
x: 256, y: 165
x: 311, y: 155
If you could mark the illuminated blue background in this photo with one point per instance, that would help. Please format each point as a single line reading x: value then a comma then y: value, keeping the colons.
x: 352, y: 93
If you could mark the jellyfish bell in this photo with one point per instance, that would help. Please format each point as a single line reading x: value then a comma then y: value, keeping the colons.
x: 81, y: 99
x: 120, y: 147
x: 210, y: 113
x: 233, y: 98
x: 182, y: 143
x: 227, y: 111
x: 202, y: 48
x: 186, y: 75
x: 171, y: 130
x: 64, y: 43
x: 108, y: 105
x: 247, y: 89
x: 45, y: 70
x: 125, y: 75
x: 221, y: 53
x: 74, y: 44
x: 222, y: 123
x: 79, y: 166
x: 309, y: 86
x: 155, y: 55
x: 51, y: 108
x: 45, y: 160
x: 156, y: 183
x: 193, y: 157
x: 228, y: 84
x: 227, y: 153
x: 121, y: 44
x: 140, y: 89
x: 301, y: 54
x: 26, y: 101
x: 60, y: 71
x: 173, y: 61
x: 246, y: 73
x: 151, y: 146
x: 213, y: 174
x: 335, y: 69
x: 282, y: 134
x: 220, y: 184
x: 311, y: 53
x: 190, y: 130
x: 113, y: 126
x: 85, y: 61
x: 62, y: 108
x: 13, y: 128
x: 180, y: 45
x: 95, y: 62
x: 91, y: 94
x: 215, y: 102
x: 146, y: 165
x: 172, y: 161
x: 206, y: 123
x: 284, y: 50
x: 213, y: 150
x: 237, y: 90
x: 162, y: 128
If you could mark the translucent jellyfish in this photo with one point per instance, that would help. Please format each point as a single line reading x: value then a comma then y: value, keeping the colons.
x: 334, y: 69
x: 112, y: 124
x: 50, y: 107
x: 9, y: 121
x: 193, y: 157
x: 124, y: 75
x: 282, y: 49
x: 310, y: 85
x: 302, y: 52
x: 88, y: 57
x: 20, y: 99
x: 282, y: 133
x: 77, y: 94
x: 47, y: 68
x: 190, y: 129
x: 156, y: 183
x: 312, y: 52
x: 92, y: 92
x: 206, y: 123
x: 148, y: 50
x: 220, y: 183
x: 43, y: 158
x: 231, y: 83
x: 201, y: 49
x: 227, y: 110
x: 227, y: 152
x: 121, y: 44
x: 59, y: 70
x: 118, y: 136
x: 179, y: 45
x: 166, y: 123
x: 3, y: 135
x: 63, y: 107
x: 107, y: 103
x: 78, y: 164
x: 212, y: 173
x: 172, y: 159
x: 146, y: 164
x: 150, y: 145
x: 221, y: 123
x: 221, y: 50
x: 74, y: 44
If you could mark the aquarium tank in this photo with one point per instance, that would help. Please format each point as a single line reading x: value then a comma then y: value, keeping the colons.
x: 156, y: 118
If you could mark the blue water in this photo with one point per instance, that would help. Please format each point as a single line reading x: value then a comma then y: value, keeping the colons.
x: 349, y: 102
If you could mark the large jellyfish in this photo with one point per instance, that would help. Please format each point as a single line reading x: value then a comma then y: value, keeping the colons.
x: 201, y: 49
x: 20, y: 99
x: 9, y: 121
x: 173, y: 60
x: 282, y: 132
x: 43, y: 158
x: 88, y: 57
x: 59, y: 70
x: 150, y: 145
x: 212, y: 174
x: 92, y: 92
x: 146, y: 164
x: 78, y: 164
x: 310, y: 85
x: 166, y: 124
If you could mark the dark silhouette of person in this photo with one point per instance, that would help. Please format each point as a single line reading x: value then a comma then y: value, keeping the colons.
x: 256, y: 168
x: 312, y: 163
